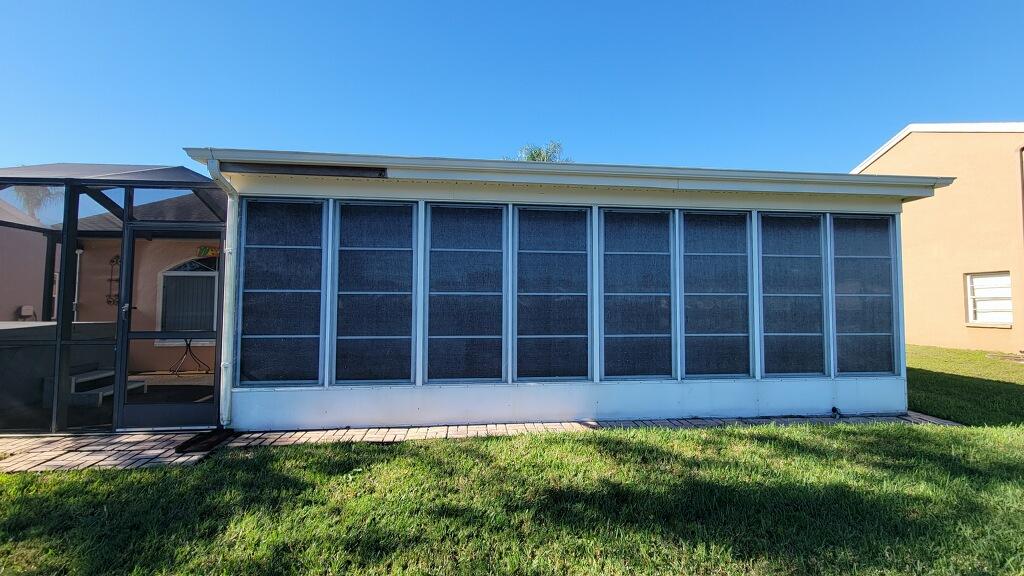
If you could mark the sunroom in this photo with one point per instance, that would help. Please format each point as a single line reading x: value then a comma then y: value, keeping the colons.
x: 391, y: 291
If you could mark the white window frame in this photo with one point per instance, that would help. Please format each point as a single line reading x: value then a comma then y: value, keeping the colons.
x: 177, y: 342
x: 971, y: 299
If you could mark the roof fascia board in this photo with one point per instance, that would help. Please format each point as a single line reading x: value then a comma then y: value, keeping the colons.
x: 604, y: 175
x: 939, y: 127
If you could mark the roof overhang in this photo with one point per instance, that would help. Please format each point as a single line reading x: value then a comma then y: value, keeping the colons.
x: 947, y: 127
x: 238, y: 161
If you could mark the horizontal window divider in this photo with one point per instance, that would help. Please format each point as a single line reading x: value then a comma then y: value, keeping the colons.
x: 714, y: 253
x: 522, y: 251
x: 791, y: 255
x: 375, y: 337
x: 372, y: 383
x: 872, y: 295
x: 371, y: 293
x: 637, y: 293
x: 837, y: 257
x: 712, y: 334
x: 466, y: 293
x: 793, y: 295
x: 275, y: 383
x: 715, y: 294
x: 863, y: 333
x: 281, y: 291
x: 492, y: 250
x: 551, y: 294
x: 284, y: 247
x: 793, y: 334
x: 538, y: 336
x: 666, y: 335
x: 637, y: 253
x: 277, y: 336
x: 373, y: 249
x: 464, y: 337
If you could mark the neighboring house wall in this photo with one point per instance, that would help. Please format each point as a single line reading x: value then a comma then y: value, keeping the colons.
x: 974, y: 225
x: 22, y: 263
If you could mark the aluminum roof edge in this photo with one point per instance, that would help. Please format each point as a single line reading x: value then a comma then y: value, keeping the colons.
x: 512, y: 171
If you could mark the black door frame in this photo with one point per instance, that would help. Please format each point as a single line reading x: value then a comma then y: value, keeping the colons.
x: 167, y: 415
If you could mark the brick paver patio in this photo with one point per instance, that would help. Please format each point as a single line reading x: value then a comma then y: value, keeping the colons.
x: 44, y: 452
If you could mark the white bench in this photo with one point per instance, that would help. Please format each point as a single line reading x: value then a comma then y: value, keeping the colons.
x: 96, y: 395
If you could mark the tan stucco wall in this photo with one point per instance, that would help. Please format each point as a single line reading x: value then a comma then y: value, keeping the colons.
x: 974, y: 225
x: 151, y: 258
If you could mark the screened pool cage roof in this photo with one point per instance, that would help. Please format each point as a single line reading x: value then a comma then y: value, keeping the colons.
x: 106, y: 174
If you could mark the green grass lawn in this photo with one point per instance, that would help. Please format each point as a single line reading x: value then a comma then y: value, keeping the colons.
x: 965, y: 386
x: 878, y: 499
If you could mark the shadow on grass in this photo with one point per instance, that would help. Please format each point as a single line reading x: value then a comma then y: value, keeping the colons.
x: 965, y: 399
x: 492, y: 505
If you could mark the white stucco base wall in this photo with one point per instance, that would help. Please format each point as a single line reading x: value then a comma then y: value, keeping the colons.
x: 393, y: 406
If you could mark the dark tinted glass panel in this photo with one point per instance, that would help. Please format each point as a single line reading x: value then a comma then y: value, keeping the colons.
x: 453, y: 358
x: 791, y: 235
x: 374, y: 315
x: 793, y: 355
x: 27, y: 387
x: 376, y: 359
x: 552, y: 229
x: 715, y: 233
x: 282, y: 269
x: 465, y: 315
x: 711, y: 355
x: 544, y: 315
x: 637, y: 273
x: 788, y: 314
x: 637, y: 315
x: 865, y: 353
x: 863, y: 275
x: 715, y: 274
x: 552, y: 272
x: 716, y: 315
x: 552, y: 357
x: 264, y: 360
x: 292, y: 313
x: 375, y: 270
x: 638, y: 356
x: 784, y: 275
x: 88, y: 395
x: 375, y: 226
x: 283, y: 223
x: 454, y: 227
x: 149, y: 382
x: 863, y: 314
x: 861, y: 236
x: 636, y: 231
x: 465, y: 271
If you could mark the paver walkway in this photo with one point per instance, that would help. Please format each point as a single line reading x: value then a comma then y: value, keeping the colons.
x: 137, y: 449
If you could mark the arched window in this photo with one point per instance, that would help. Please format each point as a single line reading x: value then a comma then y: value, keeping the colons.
x: 189, y: 296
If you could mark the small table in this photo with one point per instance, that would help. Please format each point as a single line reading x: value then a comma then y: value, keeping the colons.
x: 188, y: 353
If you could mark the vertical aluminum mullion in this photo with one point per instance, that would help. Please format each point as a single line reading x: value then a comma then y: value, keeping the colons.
x: 679, y: 299
x: 424, y: 312
x: 510, y: 301
x: 597, y: 288
x: 239, y: 288
x: 896, y: 249
x: 419, y: 298
x: 829, y: 328
x: 328, y: 294
x: 756, y: 297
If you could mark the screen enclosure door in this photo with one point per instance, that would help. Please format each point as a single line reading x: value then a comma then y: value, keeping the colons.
x: 171, y: 317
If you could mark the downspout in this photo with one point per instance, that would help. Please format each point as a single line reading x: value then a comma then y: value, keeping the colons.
x: 228, y: 328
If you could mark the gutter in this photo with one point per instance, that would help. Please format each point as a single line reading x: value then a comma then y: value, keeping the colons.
x: 228, y: 341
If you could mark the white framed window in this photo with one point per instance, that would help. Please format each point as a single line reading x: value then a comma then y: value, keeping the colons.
x: 188, y: 300
x: 989, y: 300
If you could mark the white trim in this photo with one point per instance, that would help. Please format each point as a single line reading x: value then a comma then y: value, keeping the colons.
x: 593, y: 175
x: 949, y: 127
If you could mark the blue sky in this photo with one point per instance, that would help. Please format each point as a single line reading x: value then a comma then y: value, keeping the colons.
x: 763, y: 85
